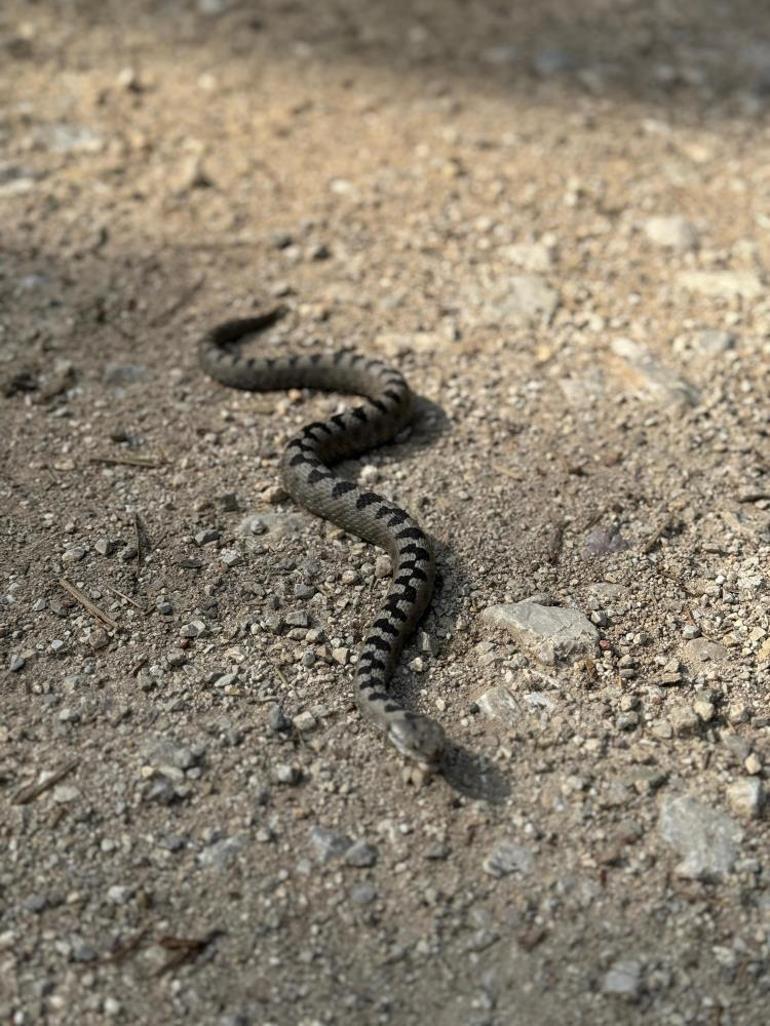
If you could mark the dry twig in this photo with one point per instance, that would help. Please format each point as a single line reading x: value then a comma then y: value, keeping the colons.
x: 32, y: 791
x: 90, y: 607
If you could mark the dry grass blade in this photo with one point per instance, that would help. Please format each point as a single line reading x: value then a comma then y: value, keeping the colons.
x: 130, y: 461
x: 122, y: 594
x: 32, y: 791
x: 185, y: 949
x: 90, y: 607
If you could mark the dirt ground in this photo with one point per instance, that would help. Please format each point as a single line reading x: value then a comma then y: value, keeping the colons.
x: 556, y: 225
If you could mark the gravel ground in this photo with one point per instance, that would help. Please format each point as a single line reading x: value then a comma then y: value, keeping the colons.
x: 556, y: 226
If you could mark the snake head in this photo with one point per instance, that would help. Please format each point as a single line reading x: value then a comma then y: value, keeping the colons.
x: 418, y: 737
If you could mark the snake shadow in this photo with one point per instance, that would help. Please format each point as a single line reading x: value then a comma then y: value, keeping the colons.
x: 470, y: 774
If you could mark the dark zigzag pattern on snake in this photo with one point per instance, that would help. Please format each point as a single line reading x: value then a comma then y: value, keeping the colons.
x: 308, y: 479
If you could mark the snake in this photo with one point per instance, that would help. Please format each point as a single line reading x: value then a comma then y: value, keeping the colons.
x: 308, y: 478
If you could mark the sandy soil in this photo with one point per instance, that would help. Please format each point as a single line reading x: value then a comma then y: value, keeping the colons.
x: 556, y: 226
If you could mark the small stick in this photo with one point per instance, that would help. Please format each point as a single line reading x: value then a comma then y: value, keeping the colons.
x: 555, y: 541
x: 282, y: 675
x: 87, y: 604
x: 123, y: 949
x: 130, y: 461
x: 142, y: 609
x: 142, y: 540
x: 32, y: 791
x: 657, y: 534
x: 515, y: 474
x: 185, y: 949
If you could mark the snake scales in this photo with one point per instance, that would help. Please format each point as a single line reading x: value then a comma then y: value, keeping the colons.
x: 310, y: 482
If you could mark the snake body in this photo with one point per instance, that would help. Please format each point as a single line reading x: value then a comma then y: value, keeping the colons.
x: 308, y: 479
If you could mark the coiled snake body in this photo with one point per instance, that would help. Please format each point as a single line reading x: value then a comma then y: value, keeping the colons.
x: 311, y: 483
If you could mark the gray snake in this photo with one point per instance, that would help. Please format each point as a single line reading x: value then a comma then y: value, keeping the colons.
x: 308, y: 479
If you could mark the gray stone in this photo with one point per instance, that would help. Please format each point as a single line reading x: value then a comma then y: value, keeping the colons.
x: 225, y: 680
x: 521, y: 299
x: 222, y: 853
x: 305, y: 722
x: 165, y: 751
x: 531, y: 256
x: 707, y: 840
x: 277, y: 720
x: 712, y: 342
x: 73, y: 554
x: 16, y: 663
x: 193, y: 629
x: 361, y: 854
x: 230, y: 557
x: 98, y: 638
x: 547, y: 632
x: 328, y: 844
x: 624, y: 979
x: 500, y: 703
x: 208, y: 535
x: 722, y: 284
x: 508, y: 857
x: 285, y: 773
x: 701, y: 650
x: 604, y: 541
x: 65, y: 138
x: 120, y: 374
x: 63, y: 794
x: 363, y: 894
x: 650, y: 380
x: 120, y: 895
x: 175, y: 657
x: 672, y: 232
x: 270, y: 528
x: 746, y: 797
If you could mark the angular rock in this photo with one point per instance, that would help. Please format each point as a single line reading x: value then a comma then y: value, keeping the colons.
x: 222, y: 853
x: 624, y: 979
x: 746, y: 797
x: 520, y: 299
x: 604, y: 541
x: 119, y: 374
x: 722, y: 284
x: 649, y: 379
x: 507, y: 857
x: 361, y: 854
x: 672, y: 232
x: 328, y: 844
x: 534, y: 256
x: 712, y: 342
x: 547, y: 632
x: 707, y: 840
x: 701, y: 650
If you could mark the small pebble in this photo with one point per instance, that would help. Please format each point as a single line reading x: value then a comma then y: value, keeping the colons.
x: 285, y: 773
x: 361, y: 854
x: 305, y: 722
x: 230, y: 557
x: 383, y: 566
x: 746, y: 797
x: 98, y: 638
